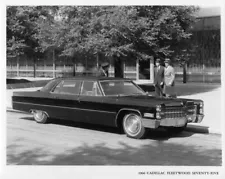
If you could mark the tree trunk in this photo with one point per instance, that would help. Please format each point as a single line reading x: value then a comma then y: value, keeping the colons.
x: 74, y: 67
x: 17, y: 66
x: 34, y: 67
x: 97, y: 59
x: 118, y: 67
x: 185, y: 72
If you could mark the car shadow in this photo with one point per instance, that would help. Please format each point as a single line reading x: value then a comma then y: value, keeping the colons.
x: 159, y: 134
x: 28, y: 118
x: 15, y: 81
x: 197, y: 128
x: 156, y: 153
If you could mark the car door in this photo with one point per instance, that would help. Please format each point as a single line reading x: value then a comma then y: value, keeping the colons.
x: 65, y: 104
x: 92, y: 103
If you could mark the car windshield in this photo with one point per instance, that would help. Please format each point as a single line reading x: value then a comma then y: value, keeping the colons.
x: 120, y: 88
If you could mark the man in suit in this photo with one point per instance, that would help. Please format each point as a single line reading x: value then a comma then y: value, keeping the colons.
x: 169, y: 78
x: 158, y: 78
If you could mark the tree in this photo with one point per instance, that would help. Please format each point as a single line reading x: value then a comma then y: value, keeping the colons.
x: 132, y: 32
x: 22, y: 30
x: 142, y: 31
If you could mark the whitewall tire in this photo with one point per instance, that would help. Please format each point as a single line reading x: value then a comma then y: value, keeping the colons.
x: 40, y: 117
x: 132, y: 126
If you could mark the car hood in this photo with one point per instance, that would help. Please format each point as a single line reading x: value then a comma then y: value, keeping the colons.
x: 152, y: 100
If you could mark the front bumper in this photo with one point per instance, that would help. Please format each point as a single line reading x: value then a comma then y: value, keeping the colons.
x: 171, y: 122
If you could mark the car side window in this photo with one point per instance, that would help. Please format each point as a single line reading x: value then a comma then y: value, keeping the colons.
x: 68, y: 87
x: 90, y: 88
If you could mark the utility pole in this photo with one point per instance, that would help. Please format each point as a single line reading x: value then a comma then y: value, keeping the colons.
x: 53, y: 57
x: 17, y: 66
x: 185, y: 72
x: 74, y: 66
x: 34, y: 60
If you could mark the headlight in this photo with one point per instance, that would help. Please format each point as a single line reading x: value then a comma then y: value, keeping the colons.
x: 158, y: 116
x: 201, y: 109
x: 158, y: 111
x: 201, y: 104
x: 158, y: 108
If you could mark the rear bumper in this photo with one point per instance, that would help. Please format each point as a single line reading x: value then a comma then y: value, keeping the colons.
x: 171, y: 122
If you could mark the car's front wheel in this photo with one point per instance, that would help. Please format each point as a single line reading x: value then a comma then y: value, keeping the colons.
x: 133, y: 127
x: 40, y: 117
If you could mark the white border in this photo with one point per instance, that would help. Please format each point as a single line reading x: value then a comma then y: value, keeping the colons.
x: 32, y: 172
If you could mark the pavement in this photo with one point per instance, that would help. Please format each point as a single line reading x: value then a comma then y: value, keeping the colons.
x: 211, y: 123
x: 68, y: 143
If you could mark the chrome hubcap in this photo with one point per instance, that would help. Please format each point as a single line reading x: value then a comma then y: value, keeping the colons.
x: 132, y: 124
x: 39, y: 115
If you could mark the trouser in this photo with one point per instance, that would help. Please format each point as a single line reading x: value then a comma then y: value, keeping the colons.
x: 158, y: 90
x: 169, y: 91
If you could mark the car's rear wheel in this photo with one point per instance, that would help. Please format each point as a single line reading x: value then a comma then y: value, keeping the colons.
x: 133, y: 127
x: 40, y: 117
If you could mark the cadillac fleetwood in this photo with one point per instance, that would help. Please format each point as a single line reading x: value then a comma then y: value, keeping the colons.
x: 108, y: 101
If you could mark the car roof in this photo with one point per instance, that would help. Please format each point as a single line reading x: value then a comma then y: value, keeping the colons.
x: 84, y: 78
x: 48, y: 87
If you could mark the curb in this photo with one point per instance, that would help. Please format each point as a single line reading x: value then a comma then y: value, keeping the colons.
x: 8, y: 109
x: 202, y: 129
x: 190, y: 127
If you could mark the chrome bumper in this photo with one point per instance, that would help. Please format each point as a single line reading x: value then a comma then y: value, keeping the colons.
x: 150, y: 123
x: 199, y: 118
x: 175, y: 122
x: 172, y: 122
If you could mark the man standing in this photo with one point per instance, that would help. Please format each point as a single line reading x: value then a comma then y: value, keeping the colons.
x: 169, y: 78
x: 158, y: 78
x: 104, y: 69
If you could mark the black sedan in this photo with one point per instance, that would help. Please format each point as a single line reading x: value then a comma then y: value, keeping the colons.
x: 108, y: 101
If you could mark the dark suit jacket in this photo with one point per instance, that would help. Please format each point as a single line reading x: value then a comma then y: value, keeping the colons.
x: 158, y: 75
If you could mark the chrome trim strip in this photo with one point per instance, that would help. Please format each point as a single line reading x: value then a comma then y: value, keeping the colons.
x: 175, y: 112
x: 65, y: 107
